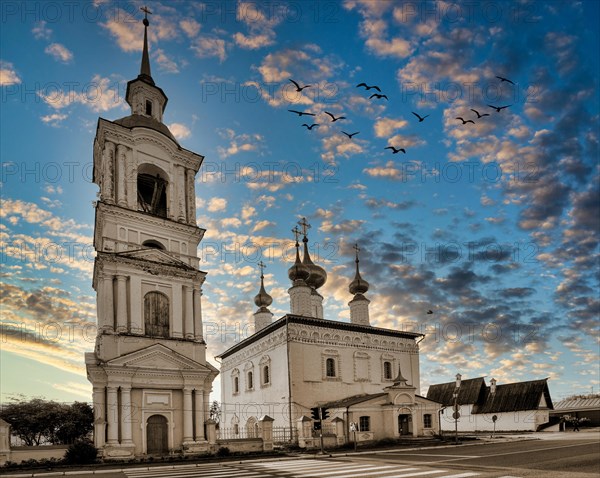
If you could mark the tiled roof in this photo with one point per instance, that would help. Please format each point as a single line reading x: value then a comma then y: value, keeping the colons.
x: 592, y: 403
x: 325, y: 323
x: 513, y: 397
x: 353, y: 400
x: 470, y: 392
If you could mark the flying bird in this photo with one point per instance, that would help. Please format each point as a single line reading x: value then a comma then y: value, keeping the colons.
x: 375, y: 95
x: 478, y: 114
x: 420, y: 118
x: 465, y: 122
x: 298, y: 87
x: 301, y: 113
x: 367, y: 87
x: 350, y: 134
x: 505, y: 79
x: 498, y: 108
x: 311, y: 126
x: 333, y: 118
x: 395, y: 150
x: 429, y: 312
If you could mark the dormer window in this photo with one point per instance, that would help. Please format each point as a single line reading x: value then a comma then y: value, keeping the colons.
x: 149, y: 107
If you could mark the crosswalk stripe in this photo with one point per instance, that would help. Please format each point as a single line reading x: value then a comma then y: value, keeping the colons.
x: 221, y: 473
x: 419, y: 473
x: 374, y: 473
x: 460, y: 475
x: 347, y: 470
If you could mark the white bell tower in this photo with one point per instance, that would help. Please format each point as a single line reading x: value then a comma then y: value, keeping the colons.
x: 151, y: 381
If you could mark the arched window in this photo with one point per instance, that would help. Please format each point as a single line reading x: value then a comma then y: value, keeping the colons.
x: 387, y: 370
x: 236, y: 384
x: 156, y: 314
x: 330, y: 367
x: 266, y: 374
x: 154, y: 244
x: 149, y: 107
x: 250, y: 380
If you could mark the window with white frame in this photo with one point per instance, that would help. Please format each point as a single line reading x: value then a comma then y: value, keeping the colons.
x: 265, y: 371
x: 249, y: 372
x: 331, y: 364
x: 364, y: 424
x: 427, y: 422
x: 235, y: 381
x: 387, y: 370
x: 330, y: 367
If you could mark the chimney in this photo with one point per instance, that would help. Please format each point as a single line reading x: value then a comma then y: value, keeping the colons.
x: 493, y: 386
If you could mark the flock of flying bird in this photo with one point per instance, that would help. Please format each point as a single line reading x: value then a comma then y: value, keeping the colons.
x: 379, y: 95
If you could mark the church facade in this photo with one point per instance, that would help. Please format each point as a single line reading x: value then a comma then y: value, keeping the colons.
x: 303, y: 360
x: 150, y: 378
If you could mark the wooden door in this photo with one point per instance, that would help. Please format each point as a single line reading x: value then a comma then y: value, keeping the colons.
x: 157, y: 436
x: 403, y: 424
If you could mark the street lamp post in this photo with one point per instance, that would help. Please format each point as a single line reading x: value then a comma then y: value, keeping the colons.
x: 456, y: 414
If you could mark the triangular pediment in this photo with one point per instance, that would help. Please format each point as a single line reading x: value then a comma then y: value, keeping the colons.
x: 154, y: 255
x: 157, y: 357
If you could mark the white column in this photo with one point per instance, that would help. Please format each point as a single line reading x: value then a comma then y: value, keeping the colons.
x: 131, y: 190
x: 126, y: 415
x: 190, y: 196
x: 189, y: 311
x: 135, y: 295
x: 180, y: 178
x: 199, y: 398
x: 108, y: 158
x: 205, y: 398
x: 112, y: 415
x: 121, y: 303
x: 99, y: 418
x: 188, y: 423
x: 177, y: 322
x: 172, y: 198
x: 106, y: 312
x: 121, y: 179
x: 198, y: 332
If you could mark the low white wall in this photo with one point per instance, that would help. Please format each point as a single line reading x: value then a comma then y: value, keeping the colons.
x: 23, y: 453
x: 527, y: 420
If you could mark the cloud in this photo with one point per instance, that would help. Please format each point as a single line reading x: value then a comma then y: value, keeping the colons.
x: 208, y: 47
x: 8, y: 75
x: 260, y: 225
x: 164, y: 62
x: 216, y: 204
x: 59, y: 52
x: 384, y: 127
x: 180, y: 131
x: 54, y: 119
x: 239, y: 143
x: 190, y: 26
x: 101, y: 94
x: 41, y: 31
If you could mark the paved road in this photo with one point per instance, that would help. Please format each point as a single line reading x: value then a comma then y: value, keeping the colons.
x: 553, y: 457
x: 304, y: 468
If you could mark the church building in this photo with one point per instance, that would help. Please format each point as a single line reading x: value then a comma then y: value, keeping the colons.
x: 304, y: 360
x: 151, y: 381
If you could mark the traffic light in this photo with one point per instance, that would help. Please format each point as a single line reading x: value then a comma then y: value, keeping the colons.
x: 315, y: 413
x: 316, y: 425
x: 324, y: 413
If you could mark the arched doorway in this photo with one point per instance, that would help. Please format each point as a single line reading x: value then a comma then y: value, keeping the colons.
x: 157, y: 439
x: 404, y: 424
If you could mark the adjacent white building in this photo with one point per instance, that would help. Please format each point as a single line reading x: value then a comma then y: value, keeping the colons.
x: 303, y: 360
x: 151, y: 381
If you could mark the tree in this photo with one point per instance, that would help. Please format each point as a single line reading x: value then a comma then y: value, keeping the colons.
x: 214, y: 411
x: 38, y: 421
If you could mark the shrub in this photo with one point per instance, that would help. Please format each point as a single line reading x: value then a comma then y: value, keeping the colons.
x: 223, y: 451
x: 81, y: 453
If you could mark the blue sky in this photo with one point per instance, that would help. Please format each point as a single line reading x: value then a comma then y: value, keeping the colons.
x: 492, y: 225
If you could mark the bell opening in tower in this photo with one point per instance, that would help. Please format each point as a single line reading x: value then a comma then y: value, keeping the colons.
x: 152, y: 194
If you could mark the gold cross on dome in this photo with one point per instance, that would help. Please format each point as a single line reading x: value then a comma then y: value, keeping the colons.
x: 304, y: 225
x: 146, y: 12
x: 296, y: 232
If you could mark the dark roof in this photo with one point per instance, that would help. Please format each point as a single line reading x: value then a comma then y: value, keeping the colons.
x: 330, y: 324
x: 141, y: 121
x: 353, y: 400
x: 513, y: 397
x: 470, y: 392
